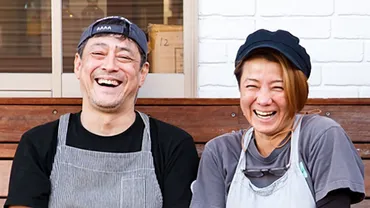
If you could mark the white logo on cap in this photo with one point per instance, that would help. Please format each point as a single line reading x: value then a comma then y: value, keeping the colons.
x: 114, y: 17
x: 103, y: 28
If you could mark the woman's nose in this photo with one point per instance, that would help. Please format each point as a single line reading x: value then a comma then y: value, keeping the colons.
x: 264, y: 98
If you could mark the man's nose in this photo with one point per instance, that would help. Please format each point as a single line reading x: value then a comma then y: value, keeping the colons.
x: 110, y: 63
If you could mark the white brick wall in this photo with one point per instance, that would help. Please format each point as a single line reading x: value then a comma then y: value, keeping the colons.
x: 335, y: 33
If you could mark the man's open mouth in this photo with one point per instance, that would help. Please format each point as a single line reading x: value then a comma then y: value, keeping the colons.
x: 108, y: 82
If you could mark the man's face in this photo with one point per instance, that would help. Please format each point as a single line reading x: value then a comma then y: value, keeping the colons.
x: 109, y: 72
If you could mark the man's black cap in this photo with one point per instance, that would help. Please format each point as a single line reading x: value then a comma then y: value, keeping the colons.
x: 280, y: 40
x: 127, y: 29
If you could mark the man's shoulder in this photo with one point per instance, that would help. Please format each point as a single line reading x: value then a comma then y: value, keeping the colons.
x: 43, y: 130
x: 165, y: 129
x: 44, y: 133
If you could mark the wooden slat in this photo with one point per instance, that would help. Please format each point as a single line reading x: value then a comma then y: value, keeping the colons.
x: 5, y: 166
x: 202, y: 122
x: 7, y: 150
x: 177, y: 101
x: 362, y: 149
x: 2, y: 202
x: 354, y: 120
x: 15, y: 120
x: 363, y: 204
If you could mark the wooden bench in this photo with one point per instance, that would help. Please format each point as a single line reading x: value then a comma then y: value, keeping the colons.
x: 202, y: 118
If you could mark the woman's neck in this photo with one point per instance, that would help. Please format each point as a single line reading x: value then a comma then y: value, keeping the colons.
x: 267, y: 143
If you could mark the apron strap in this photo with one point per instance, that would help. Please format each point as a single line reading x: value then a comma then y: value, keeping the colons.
x: 295, y: 153
x: 62, y: 129
x: 146, y: 143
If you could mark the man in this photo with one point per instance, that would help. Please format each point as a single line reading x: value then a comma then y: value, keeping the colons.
x: 107, y: 155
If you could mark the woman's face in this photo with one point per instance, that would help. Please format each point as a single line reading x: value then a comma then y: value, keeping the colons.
x: 262, y: 96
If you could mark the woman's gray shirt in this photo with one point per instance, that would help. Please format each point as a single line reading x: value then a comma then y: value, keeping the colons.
x: 328, y: 154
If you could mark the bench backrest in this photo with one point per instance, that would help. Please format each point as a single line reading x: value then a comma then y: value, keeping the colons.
x: 202, y: 118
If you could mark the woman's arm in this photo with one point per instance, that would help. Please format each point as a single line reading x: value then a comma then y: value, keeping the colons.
x: 209, y: 187
x: 336, y: 199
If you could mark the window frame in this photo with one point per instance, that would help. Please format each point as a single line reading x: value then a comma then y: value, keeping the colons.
x: 58, y: 84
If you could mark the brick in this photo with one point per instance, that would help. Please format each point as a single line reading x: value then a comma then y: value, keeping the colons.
x: 216, y: 74
x: 351, y: 27
x: 346, y: 74
x: 367, y: 51
x: 334, y: 50
x: 315, y: 77
x: 218, y: 92
x: 232, y: 48
x: 352, y: 7
x: 295, y: 7
x: 294, y: 25
x: 333, y: 92
x: 229, y: 8
x: 364, y: 92
x: 212, y: 52
x: 225, y: 27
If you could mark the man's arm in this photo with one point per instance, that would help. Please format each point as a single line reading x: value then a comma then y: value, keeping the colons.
x: 180, y: 171
x: 29, y: 184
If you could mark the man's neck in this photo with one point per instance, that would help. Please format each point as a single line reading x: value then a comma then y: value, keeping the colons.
x: 107, y: 124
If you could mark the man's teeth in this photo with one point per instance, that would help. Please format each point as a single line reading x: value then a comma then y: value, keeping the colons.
x: 108, y: 82
x: 264, y: 114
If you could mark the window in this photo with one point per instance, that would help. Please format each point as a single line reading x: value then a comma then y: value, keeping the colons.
x: 39, y: 43
x: 24, y: 48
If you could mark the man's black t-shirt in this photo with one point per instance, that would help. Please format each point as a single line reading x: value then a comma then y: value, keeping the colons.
x: 174, y: 154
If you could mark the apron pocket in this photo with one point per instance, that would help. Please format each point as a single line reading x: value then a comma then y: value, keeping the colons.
x: 132, y: 192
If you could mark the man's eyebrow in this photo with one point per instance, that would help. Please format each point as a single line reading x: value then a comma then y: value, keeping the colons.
x: 123, y: 48
x: 99, y: 44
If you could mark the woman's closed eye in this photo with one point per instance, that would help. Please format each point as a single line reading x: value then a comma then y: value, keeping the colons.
x: 251, y: 86
x: 280, y: 88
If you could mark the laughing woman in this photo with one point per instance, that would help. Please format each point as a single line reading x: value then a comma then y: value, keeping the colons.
x: 287, y: 158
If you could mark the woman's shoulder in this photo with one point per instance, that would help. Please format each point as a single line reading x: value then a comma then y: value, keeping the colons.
x: 320, y: 131
x: 226, y: 144
x: 318, y: 124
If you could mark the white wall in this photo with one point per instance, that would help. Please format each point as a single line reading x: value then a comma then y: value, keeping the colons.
x: 336, y: 33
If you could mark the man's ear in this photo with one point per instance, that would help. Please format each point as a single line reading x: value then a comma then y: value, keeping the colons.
x: 143, y: 73
x: 77, y: 65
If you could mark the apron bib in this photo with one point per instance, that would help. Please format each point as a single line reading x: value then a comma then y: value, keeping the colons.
x: 289, y: 191
x: 84, y: 178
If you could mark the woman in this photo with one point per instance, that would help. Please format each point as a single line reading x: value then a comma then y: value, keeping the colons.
x: 286, y: 158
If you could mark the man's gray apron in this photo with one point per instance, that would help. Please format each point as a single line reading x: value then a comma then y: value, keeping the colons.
x: 84, y: 178
x: 291, y: 190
